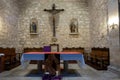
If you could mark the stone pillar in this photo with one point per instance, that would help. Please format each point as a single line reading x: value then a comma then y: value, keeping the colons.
x: 113, y: 17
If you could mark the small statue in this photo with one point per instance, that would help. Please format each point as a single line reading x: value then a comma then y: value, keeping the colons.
x: 74, y: 26
x: 33, y: 27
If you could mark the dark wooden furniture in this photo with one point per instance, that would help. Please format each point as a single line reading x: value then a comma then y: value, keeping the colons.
x: 74, y: 49
x: 33, y: 49
x: 98, y: 58
x: 1, y: 64
x: 9, y: 60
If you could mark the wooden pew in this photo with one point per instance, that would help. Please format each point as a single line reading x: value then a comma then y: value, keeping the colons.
x: 9, y: 59
x: 33, y: 49
x: 14, y: 60
x: 1, y: 64
x: 103, y: 58
x: 99, y: 58
x: 73, y: 49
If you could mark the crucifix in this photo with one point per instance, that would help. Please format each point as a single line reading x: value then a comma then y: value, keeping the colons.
x: 54, y: 11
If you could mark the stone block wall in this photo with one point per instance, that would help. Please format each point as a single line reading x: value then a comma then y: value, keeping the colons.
x: 73, y: 9
x: 8, y: 23
x: 15, y: 23
x: 98, y: 23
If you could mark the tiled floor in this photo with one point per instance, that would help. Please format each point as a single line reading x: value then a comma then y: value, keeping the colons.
x: 86, y: 73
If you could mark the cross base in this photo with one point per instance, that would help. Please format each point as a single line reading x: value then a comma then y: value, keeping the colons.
x: 54, y: 39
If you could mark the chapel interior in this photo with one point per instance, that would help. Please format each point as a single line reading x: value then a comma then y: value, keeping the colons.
x: 90, y: 27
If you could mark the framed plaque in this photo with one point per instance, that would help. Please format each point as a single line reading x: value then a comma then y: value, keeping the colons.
x: 54, y: 47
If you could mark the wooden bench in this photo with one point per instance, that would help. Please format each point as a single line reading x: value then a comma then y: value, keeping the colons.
x: 9, y: 60
x: 99, y: 58
x: 73, y: 49
x: 1, y: 64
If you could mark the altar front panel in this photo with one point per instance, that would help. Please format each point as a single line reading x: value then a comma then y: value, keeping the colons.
x: 65, y: 56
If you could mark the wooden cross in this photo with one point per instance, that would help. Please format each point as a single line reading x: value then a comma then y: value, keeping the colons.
x: 54, y: 11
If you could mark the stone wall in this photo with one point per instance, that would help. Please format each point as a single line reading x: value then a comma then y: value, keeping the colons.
x: 91, y: 16
x: 34, y: 9
x: 114, y: 34
x: 8, y: 23
x: 98, y: 23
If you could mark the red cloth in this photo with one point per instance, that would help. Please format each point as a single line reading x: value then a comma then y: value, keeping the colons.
x: 53, y: 53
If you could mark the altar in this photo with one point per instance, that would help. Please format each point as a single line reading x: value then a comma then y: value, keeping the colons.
x: 40, y: 56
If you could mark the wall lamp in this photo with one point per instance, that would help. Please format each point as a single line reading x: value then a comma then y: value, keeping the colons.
x: 113, y: 22
x: 113, y: 26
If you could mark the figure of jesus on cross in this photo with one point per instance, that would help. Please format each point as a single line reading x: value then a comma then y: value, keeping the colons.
x: 52, y: 62
x: 54, y: 11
